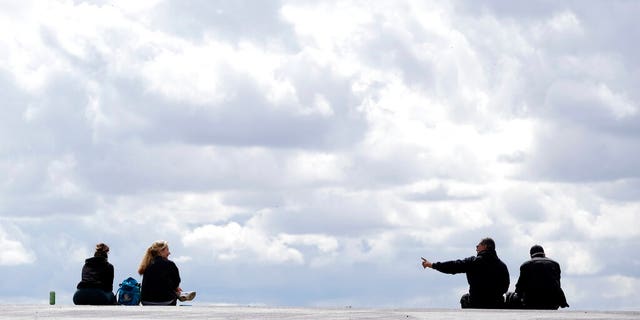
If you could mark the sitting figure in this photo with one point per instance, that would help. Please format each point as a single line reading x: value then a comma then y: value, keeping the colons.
x: 539, y: 284
x: 160, y: 277
x: 487, y: 275
x: 96, y: 286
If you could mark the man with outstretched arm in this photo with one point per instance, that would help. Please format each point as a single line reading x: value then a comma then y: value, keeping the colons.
x: 487, y: 275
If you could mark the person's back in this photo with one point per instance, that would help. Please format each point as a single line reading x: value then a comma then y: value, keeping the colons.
x: 538, y: 286
x: 97, y: 273
x: 96, y: 284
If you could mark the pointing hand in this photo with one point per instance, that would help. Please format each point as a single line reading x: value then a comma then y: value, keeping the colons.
x: 426, y: 263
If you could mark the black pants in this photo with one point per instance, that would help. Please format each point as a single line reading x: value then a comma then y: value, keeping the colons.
x: 93, y: 296
x: 466, y: 301
x: 161, y: 303
x: 514, y: 301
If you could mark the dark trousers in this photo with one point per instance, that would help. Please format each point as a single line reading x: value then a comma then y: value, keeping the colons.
x: 93, y: 296
x: 466, y: 301
x: 161, y: 303
x: 514, y: 301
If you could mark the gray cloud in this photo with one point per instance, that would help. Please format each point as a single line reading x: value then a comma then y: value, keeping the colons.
x: 235, y: 21
x: 575, y: 154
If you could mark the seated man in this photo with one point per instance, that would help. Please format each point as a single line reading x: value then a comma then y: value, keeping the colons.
x: 539, y: 284
x: 487, y: 275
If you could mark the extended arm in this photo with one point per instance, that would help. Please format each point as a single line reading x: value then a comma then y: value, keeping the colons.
x: 451, y: 267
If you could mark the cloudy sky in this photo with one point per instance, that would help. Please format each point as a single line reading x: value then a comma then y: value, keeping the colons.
x: 308, y: 153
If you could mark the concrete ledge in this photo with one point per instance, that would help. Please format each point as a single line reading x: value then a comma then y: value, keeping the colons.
x: 236, y: 312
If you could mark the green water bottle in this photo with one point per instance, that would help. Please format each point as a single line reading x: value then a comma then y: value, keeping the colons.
x: 52, y: 297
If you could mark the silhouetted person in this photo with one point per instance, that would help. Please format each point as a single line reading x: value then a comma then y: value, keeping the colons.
x: 96, y: 285
x: 160, y: 277
x: 539, y: 284
x: 487, y: 275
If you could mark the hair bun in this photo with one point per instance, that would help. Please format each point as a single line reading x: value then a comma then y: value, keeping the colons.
x: 101, y: 247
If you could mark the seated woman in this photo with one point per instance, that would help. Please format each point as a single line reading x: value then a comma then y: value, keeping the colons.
x: 160, y: 277
x: 96, y: 286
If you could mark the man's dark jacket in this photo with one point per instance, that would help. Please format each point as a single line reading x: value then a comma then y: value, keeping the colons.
x: 160, y: 281
x: 97, y: 273
x: 539, y: 284
x: 487, y: 275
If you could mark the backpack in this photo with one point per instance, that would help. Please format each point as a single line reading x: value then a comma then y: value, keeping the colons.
x: 129, y: 292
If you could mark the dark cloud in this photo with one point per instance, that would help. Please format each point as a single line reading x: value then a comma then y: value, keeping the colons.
x: 625, y: 190
x: 247, y: 118
x: 575, y: 154
x: 509, y: 9
x: 524, y: 206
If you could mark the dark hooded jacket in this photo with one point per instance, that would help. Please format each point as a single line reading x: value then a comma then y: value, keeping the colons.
x: 160, y: 281
x: 487, y: 275
x: 539, y: 284
x: 97, y: 273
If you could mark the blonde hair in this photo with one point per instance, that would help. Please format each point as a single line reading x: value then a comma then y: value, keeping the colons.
x: 101, y: 250
x: 151, y: 253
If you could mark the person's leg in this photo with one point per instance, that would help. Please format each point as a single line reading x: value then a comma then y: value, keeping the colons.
x: 105, y: 298
x: 161, y: 303
x: 78, y: 298
x: 91, y: 297
x: 513, y: 301
x: 465, y: 301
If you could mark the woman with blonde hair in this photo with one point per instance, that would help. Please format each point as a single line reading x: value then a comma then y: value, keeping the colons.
x: 96, y: 286
x: 160, y: 277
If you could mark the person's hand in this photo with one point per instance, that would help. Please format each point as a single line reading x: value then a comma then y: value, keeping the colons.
x: 178, y: 290
x: 426, y: 263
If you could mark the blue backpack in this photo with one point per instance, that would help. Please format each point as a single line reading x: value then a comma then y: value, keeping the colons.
x: 129, y: 292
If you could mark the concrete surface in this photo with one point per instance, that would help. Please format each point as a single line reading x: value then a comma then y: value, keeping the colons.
x: 238, y: 312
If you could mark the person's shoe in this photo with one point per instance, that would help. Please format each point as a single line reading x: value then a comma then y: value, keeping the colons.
x: 187, y: 296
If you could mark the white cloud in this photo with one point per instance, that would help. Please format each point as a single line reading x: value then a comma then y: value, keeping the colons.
x: 565, y: 22
x: 616, y: 290
x: 181, y: 259
x: 316, y: 167
x: 580, y: 260
x: 60, y: 175
x: 135, y: 6
x: 623, y: 286
x: 233, y: 241
x: 310, y: 22
x: 619, y: 105
x: 189, y: 73
x: 612, y: 221
x: 323, y: 243
x: 13, y: 251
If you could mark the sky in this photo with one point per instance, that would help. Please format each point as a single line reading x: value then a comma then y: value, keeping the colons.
x: 308, y: 153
